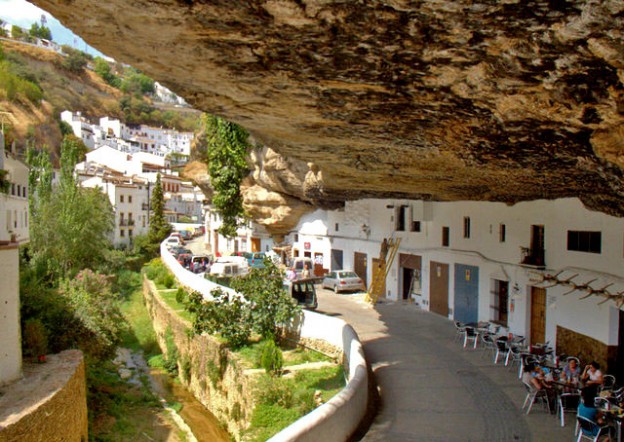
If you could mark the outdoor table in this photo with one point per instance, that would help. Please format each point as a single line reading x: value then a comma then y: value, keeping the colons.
x: 615, y: 416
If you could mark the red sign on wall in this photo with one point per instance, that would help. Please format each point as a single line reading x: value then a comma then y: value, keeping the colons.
x: 306, y: 246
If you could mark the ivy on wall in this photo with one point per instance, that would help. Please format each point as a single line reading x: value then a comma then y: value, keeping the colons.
x: 227, y: 147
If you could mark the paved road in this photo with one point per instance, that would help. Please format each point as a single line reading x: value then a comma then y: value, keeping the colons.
x: 431, y: 388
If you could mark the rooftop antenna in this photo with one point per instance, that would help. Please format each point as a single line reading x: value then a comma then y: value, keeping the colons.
x: 44, y: 20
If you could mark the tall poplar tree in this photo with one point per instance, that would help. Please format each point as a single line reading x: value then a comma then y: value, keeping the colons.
x: 159, y: 227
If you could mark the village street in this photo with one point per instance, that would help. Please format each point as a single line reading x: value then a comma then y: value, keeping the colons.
x: 431, y: 388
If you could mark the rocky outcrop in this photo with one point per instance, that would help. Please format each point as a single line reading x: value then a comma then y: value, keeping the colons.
x: 446, y: 100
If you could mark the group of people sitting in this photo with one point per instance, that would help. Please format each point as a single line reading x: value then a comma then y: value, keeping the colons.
x: 541, y: 378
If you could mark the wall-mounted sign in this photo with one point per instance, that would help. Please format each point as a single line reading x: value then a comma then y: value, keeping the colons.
x: 306, y: 246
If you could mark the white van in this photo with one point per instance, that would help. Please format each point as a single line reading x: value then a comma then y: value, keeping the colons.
x: 229, y: 269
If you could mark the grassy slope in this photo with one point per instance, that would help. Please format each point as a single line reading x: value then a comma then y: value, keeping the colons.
x: 63, y: 90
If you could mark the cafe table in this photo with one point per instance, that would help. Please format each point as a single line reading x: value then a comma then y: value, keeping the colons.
x: 615, y: 415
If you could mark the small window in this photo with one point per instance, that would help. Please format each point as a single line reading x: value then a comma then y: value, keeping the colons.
x: 400, y: 218
x: 466, y: 227
x: 130, y: 233
x: 19, y: 190
x: 296, y: 237
x: 501, y: 232
x: 129, y: 198
x: 584, y: 241
x: 337, y: 227
x: 122, y: 233
x: 13, y: 189
x: 415, y: 226
x: 446, y: 236
x: 121, y: 198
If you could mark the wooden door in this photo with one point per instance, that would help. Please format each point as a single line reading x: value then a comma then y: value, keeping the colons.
x: 359, y: 266
x: 318, y: 265
x: 538, y: 315
x: 376, y: 270
x: 215, y: 236
x: 438, y: 288
x: 255, y: 245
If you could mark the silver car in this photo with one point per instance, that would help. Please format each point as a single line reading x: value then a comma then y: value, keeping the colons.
x: 343, y: 280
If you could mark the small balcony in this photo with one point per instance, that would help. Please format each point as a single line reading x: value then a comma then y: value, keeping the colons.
x: 126, y: 222
x: 533, y: 257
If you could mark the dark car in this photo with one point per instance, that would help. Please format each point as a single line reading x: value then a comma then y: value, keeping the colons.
x: 303, y: 291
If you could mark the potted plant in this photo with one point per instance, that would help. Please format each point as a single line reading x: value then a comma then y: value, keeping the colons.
x: 35, y: 340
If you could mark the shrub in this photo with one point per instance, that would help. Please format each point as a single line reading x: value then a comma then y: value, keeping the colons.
x: 271, y: 358
x: 275, y: 391
x: 181, y: 296
x: 172, y: 355
x: 168, y: 280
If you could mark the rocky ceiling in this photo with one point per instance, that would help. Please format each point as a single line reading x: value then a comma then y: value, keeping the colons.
x: 505, y: 100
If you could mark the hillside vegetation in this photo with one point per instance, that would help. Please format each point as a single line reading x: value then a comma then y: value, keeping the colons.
x: 36, y: 85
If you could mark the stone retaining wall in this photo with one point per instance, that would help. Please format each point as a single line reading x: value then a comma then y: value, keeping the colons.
x: 49, y: 404
x: 342, y: 415
x: 207, y: 368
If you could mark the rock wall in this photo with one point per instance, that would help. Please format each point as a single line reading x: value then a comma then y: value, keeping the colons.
x: 205, y: 365
x: 586, y: 349
x: 442, y: 100
x: 49, y: 404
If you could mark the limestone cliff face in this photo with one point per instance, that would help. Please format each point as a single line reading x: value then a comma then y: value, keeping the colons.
x: 443, y: 99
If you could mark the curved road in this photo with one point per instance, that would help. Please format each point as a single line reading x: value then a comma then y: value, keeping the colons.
x: 431, y: 388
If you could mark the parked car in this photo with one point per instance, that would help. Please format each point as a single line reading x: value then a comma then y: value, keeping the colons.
x: 229, y: 268
x: 186, y: 235
x: 173, y: 241
x: 176, y: 251
x: 255, y: 259
x: 303, y: 291
x: 342, y: 281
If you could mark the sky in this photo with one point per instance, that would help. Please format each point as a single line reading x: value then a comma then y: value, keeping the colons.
x: 24, y: 14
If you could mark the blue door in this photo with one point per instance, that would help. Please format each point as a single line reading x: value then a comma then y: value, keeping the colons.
x: 466, y: 293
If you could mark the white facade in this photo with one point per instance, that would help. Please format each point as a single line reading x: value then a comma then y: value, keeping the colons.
x: 81, y: 128
x: 490, y: 254
x: 130, y: 199
x: 13, y: 232
x: 14, y: 217
x: 249, y: 238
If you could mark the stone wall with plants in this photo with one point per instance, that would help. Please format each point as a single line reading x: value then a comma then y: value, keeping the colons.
x: 206, y: 366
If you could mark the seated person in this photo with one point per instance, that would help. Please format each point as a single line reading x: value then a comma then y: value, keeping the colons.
x: 543, y: 374
x: 587, y: 407
x: 592, y: 374
x: 571, y: 372
x: 533, y: 377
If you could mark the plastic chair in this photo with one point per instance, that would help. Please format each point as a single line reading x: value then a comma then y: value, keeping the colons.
x: 590, y: 430
x: 488, y: 343
x: 567, y: 403
x: 459, y: 330
x: 501, y: 349
x: 534, y: 395
x: 514, y: 354
x: 608, y: 382
x: 470, y: 334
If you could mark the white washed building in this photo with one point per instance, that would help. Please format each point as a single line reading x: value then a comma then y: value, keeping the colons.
x: 13, y: 232
x: 481, y: 261
x: 130, y: 198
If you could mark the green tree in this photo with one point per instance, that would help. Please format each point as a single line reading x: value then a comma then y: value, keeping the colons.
x: 261, y: 306
x: 103, y: 69
x: 75, y: 60
x: 137, y: 83
x: 159, y: 227
x: 69, y: 227
x: 227, y: 148
x: 40, y: 31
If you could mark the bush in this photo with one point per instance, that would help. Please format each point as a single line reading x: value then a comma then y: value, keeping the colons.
x: 171, y: 358
x: 181, y: 296
x: 271, y: 358
x: 275, y: 391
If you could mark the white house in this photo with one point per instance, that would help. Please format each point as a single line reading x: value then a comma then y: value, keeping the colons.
x: 130, y: 198
x: 251, y: 237
x: 81, y: 128
x: 13, y: 232
x: 478, y: 261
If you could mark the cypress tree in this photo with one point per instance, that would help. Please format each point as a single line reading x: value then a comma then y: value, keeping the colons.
x: 159, y: 227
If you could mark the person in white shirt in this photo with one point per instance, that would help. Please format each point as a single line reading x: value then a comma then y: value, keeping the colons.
x: 592, y: 374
